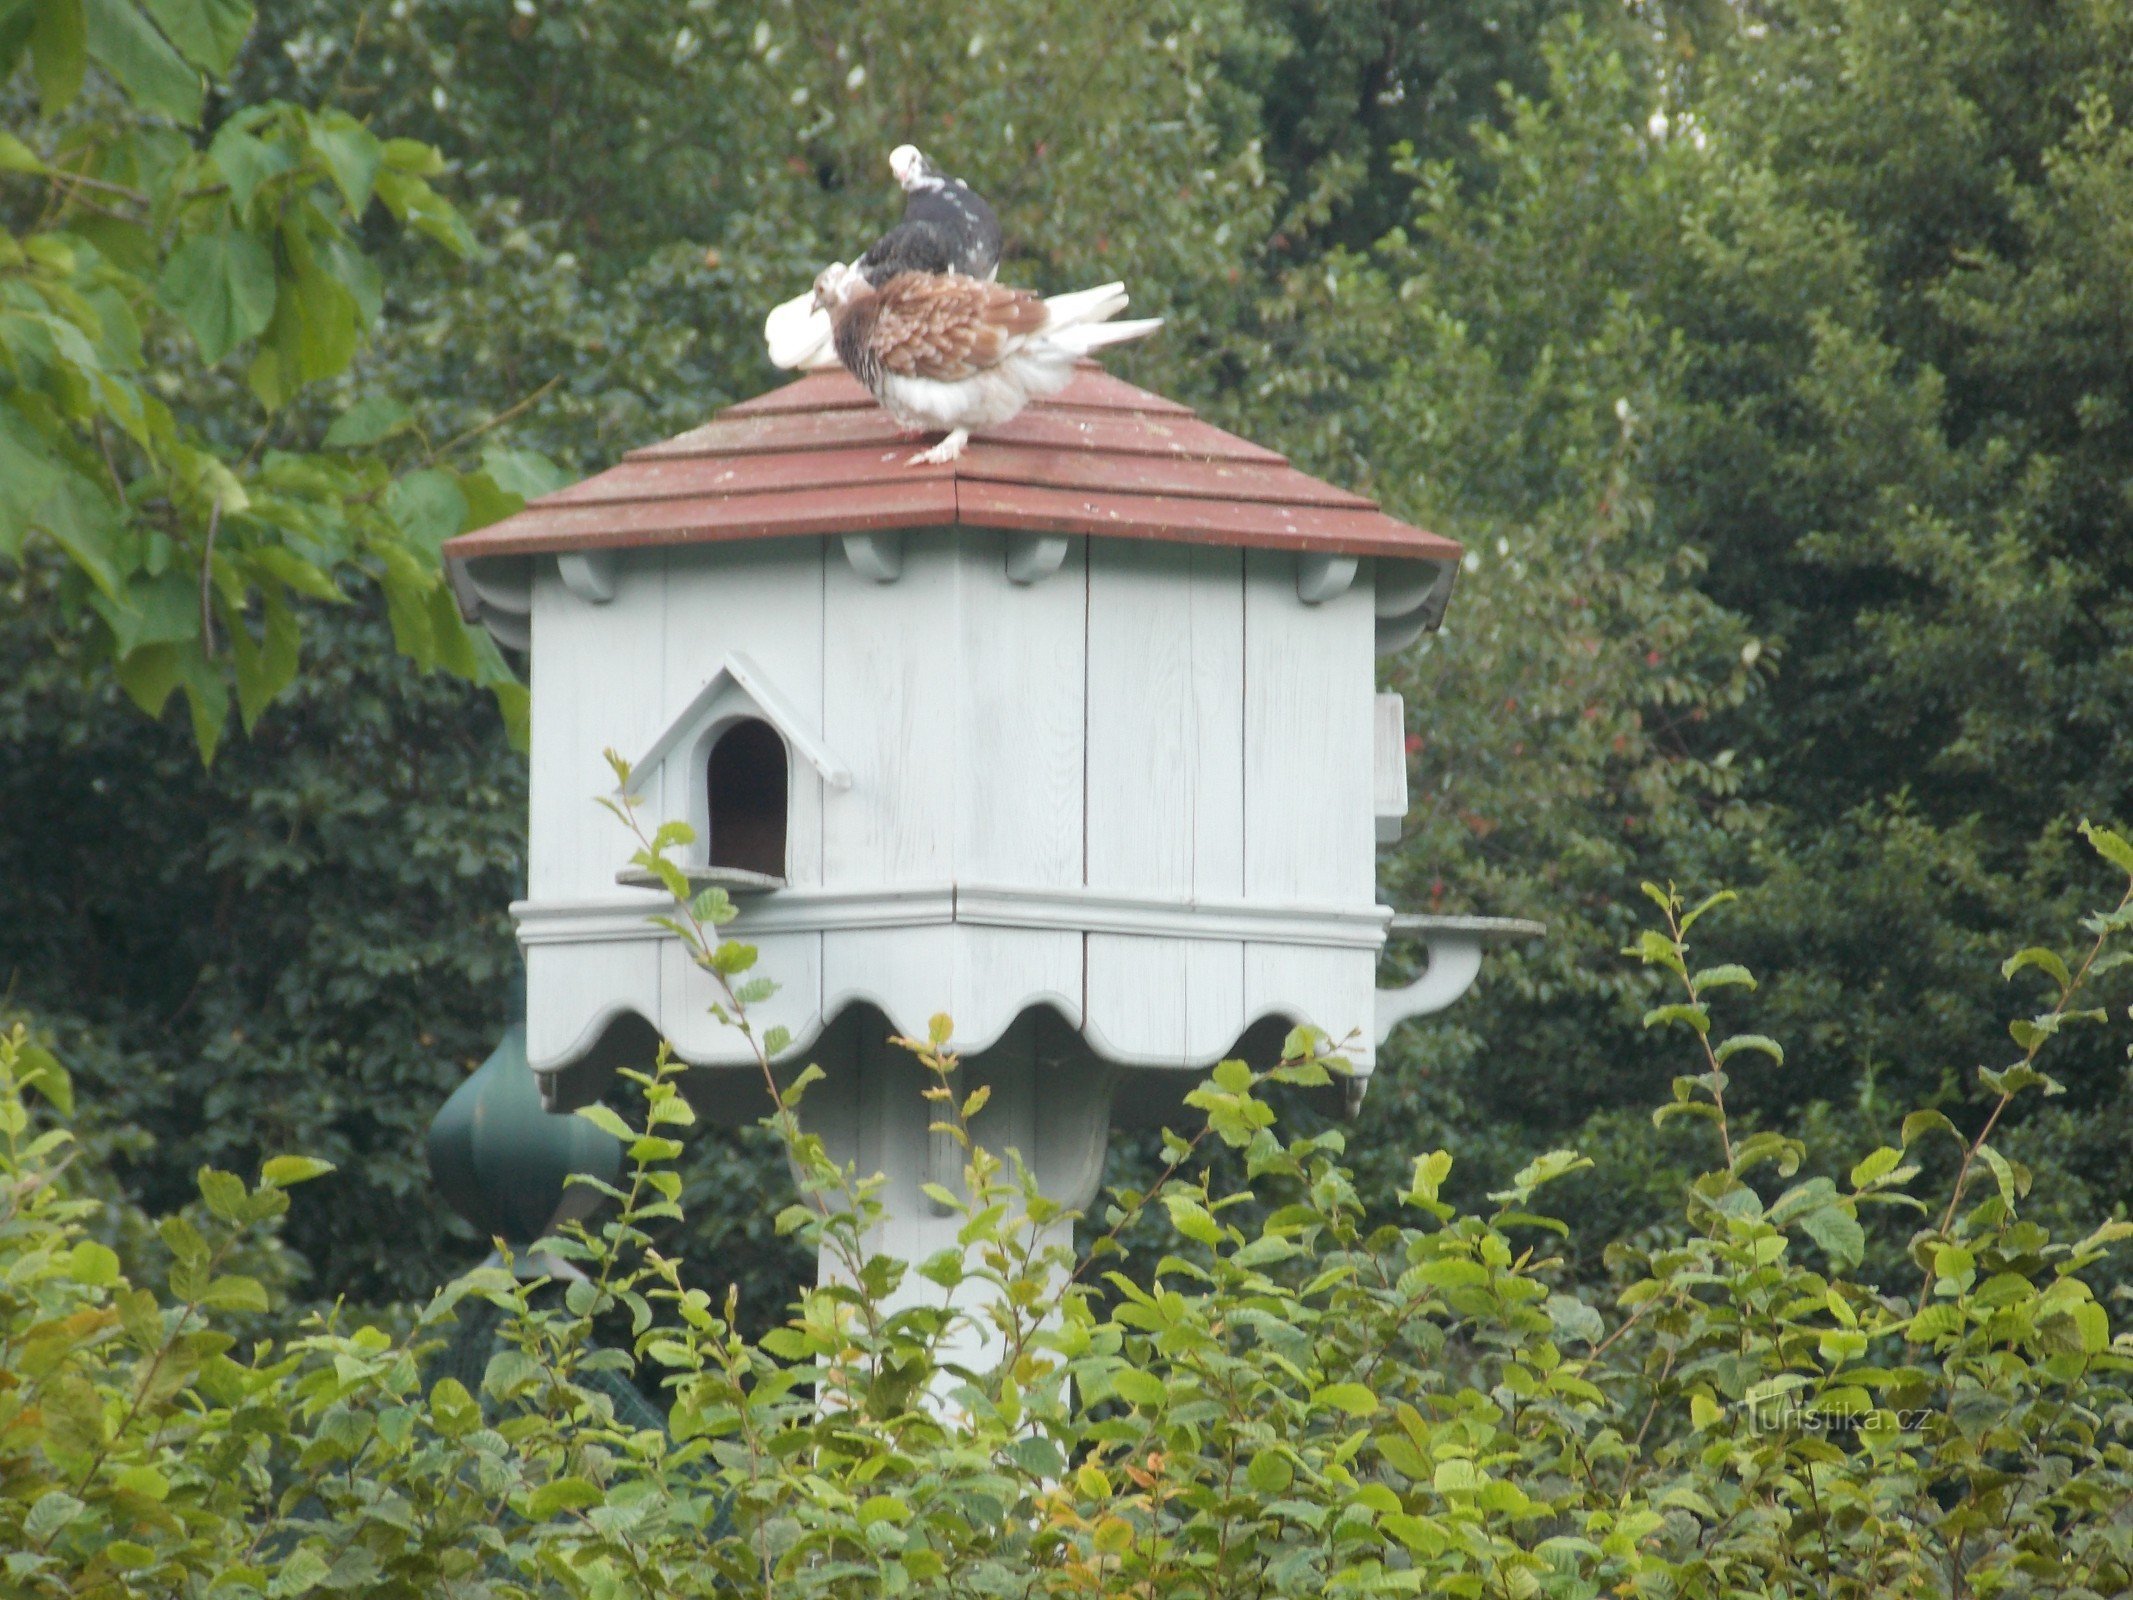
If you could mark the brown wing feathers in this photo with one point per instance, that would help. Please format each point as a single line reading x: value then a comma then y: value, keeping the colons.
x: 945, y: 327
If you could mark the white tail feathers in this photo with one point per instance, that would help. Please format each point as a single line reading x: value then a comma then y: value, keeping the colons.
x: 1099, y: 304
x: 1094, y: 336
x: 1081, y: 321
x: 797, y: 335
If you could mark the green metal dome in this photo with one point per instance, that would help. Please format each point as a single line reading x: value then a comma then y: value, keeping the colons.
x: 502, y: 1162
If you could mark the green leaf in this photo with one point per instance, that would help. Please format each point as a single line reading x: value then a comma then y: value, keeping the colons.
x: 49, y: 1513
x: 235, y: 1293
x: 1430, y: 1172
x: 1192, y: 1220
x: 2113, y: 847
x: 564, y: 1494
x: 123, y: 43
x: 208, y: 33
x: 2003, y: 1172
x: 1695, y: 1017
x: 247, y: 161
x: 265, y: 666
x: 15, y: 156
x: 1355, y: 1399
x: 59, y: 51
x: 606, y: 1121
x: 1455, y: 1475
x: 1574, y: 1319
x: 525, y: 473
x: 1139, y: 1388
x: 1733, y: 1046
x: 142, y: 1480
x: 1270, y: 1472
x: 2037, y: 956
x: 1876, y: 1166
x: 281, y: 1172
x: 1722, y: 977
x: 1838, y: 1232
x: 93, y: 1264
x: 221, y: 285
x: 1920, y: 1123
x: 224, y: 1193
x: 352, y: 154
x: 429, y: 508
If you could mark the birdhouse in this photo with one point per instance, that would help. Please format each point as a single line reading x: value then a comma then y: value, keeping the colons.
x: 1076, y: 739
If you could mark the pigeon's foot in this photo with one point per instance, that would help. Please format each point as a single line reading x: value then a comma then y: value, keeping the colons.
x: 944, y: 452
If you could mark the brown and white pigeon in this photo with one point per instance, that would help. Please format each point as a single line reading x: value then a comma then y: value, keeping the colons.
x: 946, y: 227
x: 941, y: 350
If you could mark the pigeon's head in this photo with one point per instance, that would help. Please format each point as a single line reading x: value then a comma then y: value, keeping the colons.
x: 912, y: 170
x: 835, y: 284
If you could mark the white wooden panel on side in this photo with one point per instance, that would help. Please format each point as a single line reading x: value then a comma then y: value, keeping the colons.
x: 1018, y: 772
x: 595, y: 672
x: 1330, y: 988
x: 573, y: 990
x: 889, y: 701
x: 793, y: 961
x: 1165, y: 787
x: 762, y: 599
x: 908, y: 972
x: 1309, y: 686
x: 999, y: 972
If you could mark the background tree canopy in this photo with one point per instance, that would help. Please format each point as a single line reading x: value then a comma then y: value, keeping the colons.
x: 1773, y: 363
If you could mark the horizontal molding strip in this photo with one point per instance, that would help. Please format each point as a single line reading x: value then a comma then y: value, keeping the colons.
x: 1075, y: 910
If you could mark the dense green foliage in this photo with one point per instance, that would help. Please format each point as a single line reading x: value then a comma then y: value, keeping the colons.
x: 1771, y: 363
x: 1291, y: 1400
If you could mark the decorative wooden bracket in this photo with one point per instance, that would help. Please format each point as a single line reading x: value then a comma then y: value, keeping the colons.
x: 1320, y: 577
x: 590, y: 574
x: 1033, y: 557
x: 879, y: 556
x: 1455, y: 945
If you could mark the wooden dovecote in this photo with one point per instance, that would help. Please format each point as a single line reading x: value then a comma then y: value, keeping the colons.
x: 1076, y: 739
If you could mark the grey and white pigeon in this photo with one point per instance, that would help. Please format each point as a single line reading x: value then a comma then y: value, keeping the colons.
x: 946, y: 227
x: 942, y: 350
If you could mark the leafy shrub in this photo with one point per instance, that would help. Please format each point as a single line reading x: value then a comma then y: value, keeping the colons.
x: 1289, y: 1401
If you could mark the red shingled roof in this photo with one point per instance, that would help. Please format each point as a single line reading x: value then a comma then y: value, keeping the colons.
x: 818, y: 456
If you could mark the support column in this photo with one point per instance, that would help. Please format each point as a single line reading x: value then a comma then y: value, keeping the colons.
x: 1050, y: 1102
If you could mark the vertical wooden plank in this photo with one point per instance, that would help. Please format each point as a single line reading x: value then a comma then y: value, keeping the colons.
x: 596, y: 673
x: 890, y: 698
x: 1309, y: 826
x: 1165, y: 782
x: 1388, y: 777
x: 1307, y: 742
x: 1018, y: 772
x: 1143, y: 722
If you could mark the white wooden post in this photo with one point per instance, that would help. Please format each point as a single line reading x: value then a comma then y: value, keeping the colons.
x: 1050, y: 1103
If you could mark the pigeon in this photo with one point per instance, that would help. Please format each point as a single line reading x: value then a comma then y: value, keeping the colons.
x: 946, y: 227
x: 942, y: 350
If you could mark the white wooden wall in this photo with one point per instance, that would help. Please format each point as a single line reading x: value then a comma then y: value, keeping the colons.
x: 1137, y: 791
